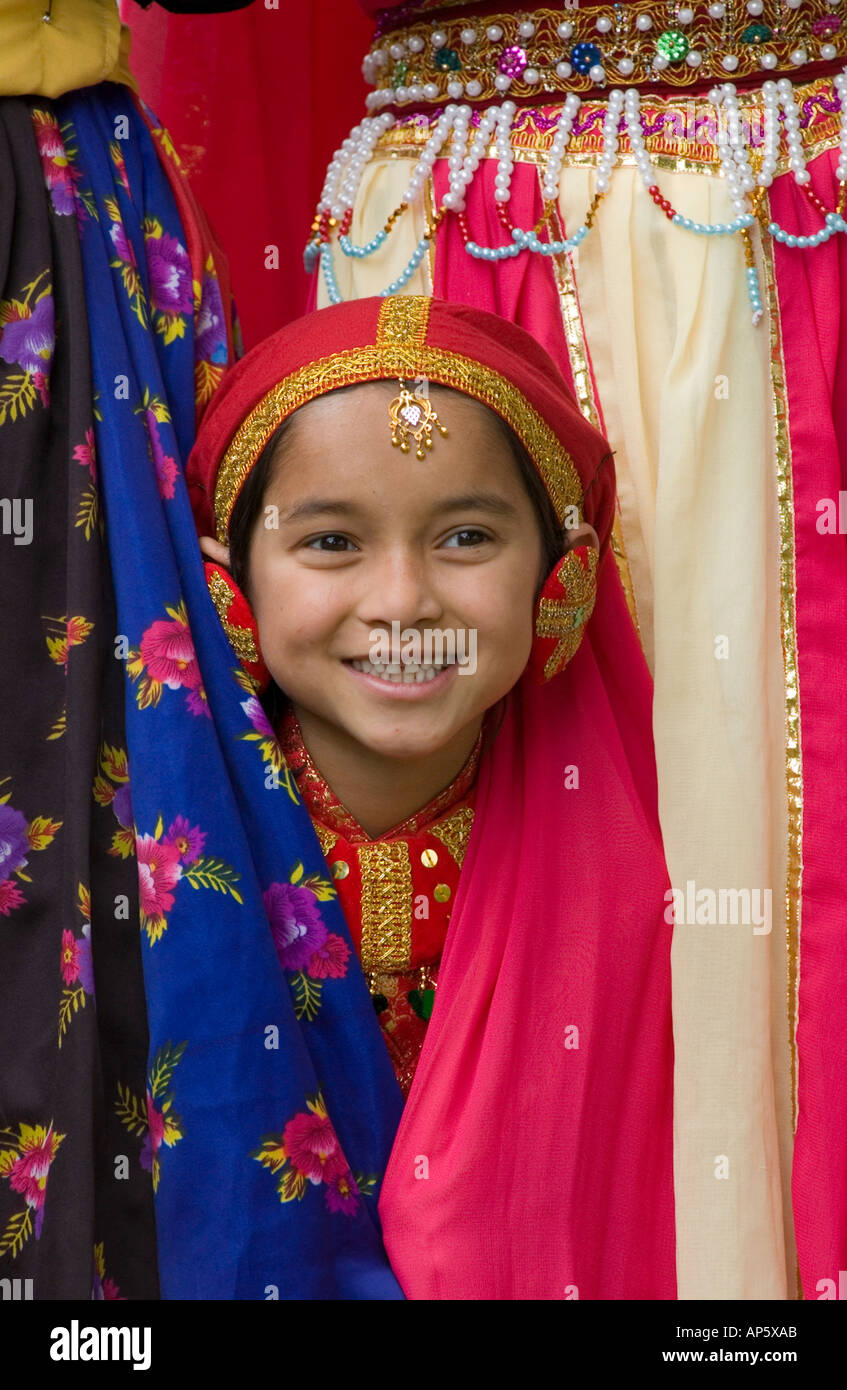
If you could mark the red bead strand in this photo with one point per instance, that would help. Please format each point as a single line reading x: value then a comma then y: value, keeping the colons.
x: 505, y: 220
x: 656, y: 195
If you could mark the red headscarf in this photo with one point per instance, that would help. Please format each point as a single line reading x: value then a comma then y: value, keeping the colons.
x: 411, y: 336
x: 534, y: 1154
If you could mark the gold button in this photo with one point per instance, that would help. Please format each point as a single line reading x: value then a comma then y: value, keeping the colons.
x: 340, y: 869
x: 441, y: 892
x: 429, y: 858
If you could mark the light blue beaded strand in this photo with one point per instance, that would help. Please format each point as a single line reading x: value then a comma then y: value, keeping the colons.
x: 728, y: 229
x: 360, y: 252
x: 333, y: 292
x: 834, y: 223
x: 328, y: 269
x: 713, y: 228
x: 405, y: 276
x: 753, y: 293
x: 523, y: 240
x: 526, y: 241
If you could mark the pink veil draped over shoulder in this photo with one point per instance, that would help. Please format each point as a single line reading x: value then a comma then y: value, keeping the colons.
x: 534, y: 1155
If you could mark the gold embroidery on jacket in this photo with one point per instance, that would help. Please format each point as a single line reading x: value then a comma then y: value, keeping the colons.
x: 386, y: 905
x: 455, y: 832
x: 326, y: 837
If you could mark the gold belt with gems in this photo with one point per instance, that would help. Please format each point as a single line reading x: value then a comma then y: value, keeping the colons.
x: 573, y: 48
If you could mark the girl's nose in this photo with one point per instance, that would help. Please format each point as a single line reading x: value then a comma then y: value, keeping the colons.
x: 400, y: 589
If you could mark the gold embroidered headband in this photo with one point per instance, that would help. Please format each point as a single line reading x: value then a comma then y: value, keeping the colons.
x: 403, y: 350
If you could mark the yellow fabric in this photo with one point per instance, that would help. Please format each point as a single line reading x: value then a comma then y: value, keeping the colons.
x: 82, y: 43
x: 665, y: 319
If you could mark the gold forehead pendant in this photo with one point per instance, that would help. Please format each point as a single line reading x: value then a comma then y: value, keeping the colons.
x: 413, y: 417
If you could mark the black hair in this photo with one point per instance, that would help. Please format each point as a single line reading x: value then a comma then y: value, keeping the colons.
x: 248, y: 507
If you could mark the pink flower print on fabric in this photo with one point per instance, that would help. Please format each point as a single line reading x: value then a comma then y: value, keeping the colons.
x: 329, y: 961
x: 167, y: 471
x: 60, y: 176
x: 84, y: 454
x: 165, y: 659
x: 27, y: 1172
x: 159, y: 871
x: 308, y: 1153
x: 167, y: 651
x: 155, y: 1135
x: 77, y: 964
x: 313, y: 1148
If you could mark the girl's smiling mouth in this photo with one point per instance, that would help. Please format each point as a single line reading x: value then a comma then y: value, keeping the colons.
x: 402, y: 680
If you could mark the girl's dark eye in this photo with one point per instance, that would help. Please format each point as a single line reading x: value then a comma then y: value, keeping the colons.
x: 472, y: 531
x: 332, y: 536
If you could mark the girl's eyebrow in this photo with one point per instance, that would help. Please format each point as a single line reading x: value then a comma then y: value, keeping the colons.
x: 483, y: 501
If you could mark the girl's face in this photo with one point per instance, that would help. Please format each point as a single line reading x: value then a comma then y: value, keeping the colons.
x: 365, y: 536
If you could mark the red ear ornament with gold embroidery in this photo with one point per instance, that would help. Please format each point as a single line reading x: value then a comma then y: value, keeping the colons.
x: 564, y: 606
x: 238, y: 623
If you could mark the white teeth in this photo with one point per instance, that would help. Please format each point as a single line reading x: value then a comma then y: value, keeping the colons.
x: 399, y: 674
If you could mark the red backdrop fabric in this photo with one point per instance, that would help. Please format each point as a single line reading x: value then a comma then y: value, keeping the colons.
x: 256, y: 102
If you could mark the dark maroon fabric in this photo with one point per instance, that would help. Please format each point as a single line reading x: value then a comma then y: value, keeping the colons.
x: 64, y: 1049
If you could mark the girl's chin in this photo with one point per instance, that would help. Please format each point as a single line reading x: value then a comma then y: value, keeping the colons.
x: 402, y: 743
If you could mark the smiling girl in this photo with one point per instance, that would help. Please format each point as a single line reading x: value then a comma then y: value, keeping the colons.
x: 489, y: 825
x: 426, y: 554
x: 385, y: 749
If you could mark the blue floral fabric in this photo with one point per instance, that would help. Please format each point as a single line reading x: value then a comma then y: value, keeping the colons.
x: 271, y: 1102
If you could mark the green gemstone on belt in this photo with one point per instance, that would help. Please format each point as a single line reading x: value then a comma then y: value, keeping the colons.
x: 448, y: 60
x: 672, y: 45
x: 756, y: 33
x: 398, y: 77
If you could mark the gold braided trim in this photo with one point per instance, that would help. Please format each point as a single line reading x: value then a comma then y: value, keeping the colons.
x: 779, y: 31
x: 563, y: 271
x: 454, y: 832
x: 788, y: 625
x: 682, y: 131
x: 327, y: 838
x: 386, y: 905
x: 240, y: 638
x: 619, y: 552
x: 383, y: 363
